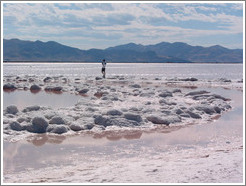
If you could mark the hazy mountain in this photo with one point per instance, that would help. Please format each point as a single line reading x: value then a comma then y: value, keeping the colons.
x: 187, y: 52
x: 19, y: 50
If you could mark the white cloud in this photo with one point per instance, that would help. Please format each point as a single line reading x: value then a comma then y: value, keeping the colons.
x: 121, y: 21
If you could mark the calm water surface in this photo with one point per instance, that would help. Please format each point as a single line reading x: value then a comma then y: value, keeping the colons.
x: 167, y: 70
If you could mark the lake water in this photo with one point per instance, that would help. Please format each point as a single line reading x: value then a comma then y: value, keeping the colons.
x: 165, y: 70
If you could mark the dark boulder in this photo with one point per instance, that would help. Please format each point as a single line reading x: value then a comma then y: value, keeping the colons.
x: 39, y: 125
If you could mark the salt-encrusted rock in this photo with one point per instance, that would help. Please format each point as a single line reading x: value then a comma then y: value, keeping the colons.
x: 57, y: 129
x: 225, y: 80
x: 196, y: 93
x: 31, y: 108
x: 91, y: 109
x: 113, y: 90
x: 122, y: 122
x: 31, y: 80
x: 205, y: 108
x: 98, y: 128
x: 134, y: 117
x: 57, y: 120
x: 147, y: 94
x: 179, y: 111
x: 100, y: 120
x: 135, y: 86
x: 166, y: 94
x: 165, y: 102
x: 209, y: 97
x: 217, y: 109
x: 166, y: 112
x: 174, y: 119
x: 35, y: 87
x: 147, y: 103
x: 99, y: 94
x: 57, y: 89
x: 193, y: 115
x: 16, y: 126
x: 12, y: 109
x: 176, y: 91
x: 47, y: 79
x: 226, y: 107
x: 88, y: 126
x: 20, y: 120
x: 240, y: 81
x: 189, y: 79
x: 185, y: 115
x: 83, y: 91
x: 76, y: 127
x: 104, y: 97
x: 216, y: 96
x: 53, y: 89
x: 114, y: 112
x: 9, y: 86
x: 39, y: 125
x: 98, y: 78
x: 158, y: 120
x: 49, y: 115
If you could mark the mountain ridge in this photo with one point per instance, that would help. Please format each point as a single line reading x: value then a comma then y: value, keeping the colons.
x: 163, y: 52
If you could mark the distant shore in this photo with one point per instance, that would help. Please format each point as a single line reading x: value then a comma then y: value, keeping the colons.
x: 120, y: 62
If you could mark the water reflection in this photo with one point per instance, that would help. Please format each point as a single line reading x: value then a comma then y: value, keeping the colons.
x: 34, y: 91
x: 117, y: 135
x: 41, y: 139
x: 53, y: 99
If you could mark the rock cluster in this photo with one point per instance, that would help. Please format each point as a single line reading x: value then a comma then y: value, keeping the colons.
x: 114, y: 102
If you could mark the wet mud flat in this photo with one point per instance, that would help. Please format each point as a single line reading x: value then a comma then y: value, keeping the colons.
x: 125, y: 130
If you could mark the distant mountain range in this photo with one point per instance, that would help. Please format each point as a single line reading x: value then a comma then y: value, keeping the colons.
x: 27, y: 51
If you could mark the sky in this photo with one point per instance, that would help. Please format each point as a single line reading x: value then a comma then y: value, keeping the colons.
x: 106, y: 24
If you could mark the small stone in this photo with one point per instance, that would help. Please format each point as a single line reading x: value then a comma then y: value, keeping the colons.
x: 12, y: 109
x: 194, y: 115
x: 39, y: 125
x: 83, y: 91
x: 133, y: 117
x: 114, y: 112
x: 197, y: 93
x: 135, y: 86
x: 166, y: 94
x: 47, y: 79
x: 35, y: 87
x: 16, y: 126
x: 9, y: 86
x: 31, y: 108
x: 98, y: 78
x: 57, y: 129
x: 158, y: 120
x: 57, y: 120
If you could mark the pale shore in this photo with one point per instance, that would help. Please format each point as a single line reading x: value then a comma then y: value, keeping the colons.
x: 209, y: 149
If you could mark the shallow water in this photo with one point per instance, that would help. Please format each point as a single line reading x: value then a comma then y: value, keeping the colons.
x: 24, y: 99
x: 166, y: 70
x: 54, y: 150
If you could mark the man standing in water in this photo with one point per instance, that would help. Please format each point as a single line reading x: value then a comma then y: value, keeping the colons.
x: 103, y: 67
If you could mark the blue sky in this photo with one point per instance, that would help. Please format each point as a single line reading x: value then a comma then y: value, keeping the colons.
x: 104, y: 24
